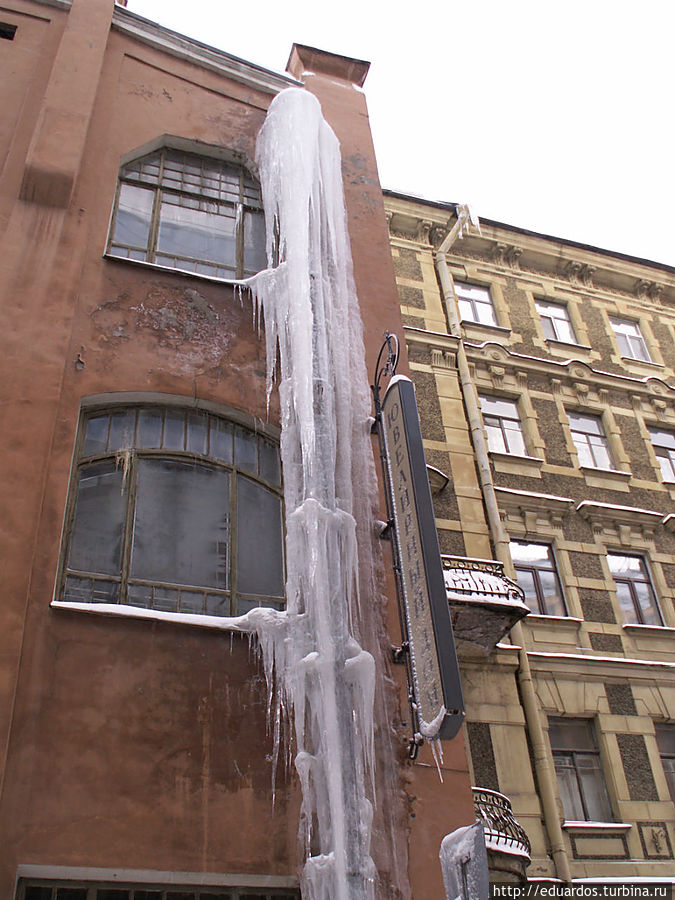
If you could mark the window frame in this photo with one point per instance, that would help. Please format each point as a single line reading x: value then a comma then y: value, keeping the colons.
x: 627, y: 343
x: 544, y: 317
x: 587, y: 443
x: 534, y: 569
x: 631, y: 582
x: 668, y: 455
x: 130, y: 464
x: 575, y: 754
x: 475, y: 303
x: 163, y: 890
x: 664, y: 733
x: 494, y: 428
x: 240, y: 208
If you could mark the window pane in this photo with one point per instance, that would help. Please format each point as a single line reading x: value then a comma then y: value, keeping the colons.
x: 548, y: 329
x: 495, y: 437
x: 486, y: 314
x: 98, y: 528
x: 149, y: 428
x: 553, y: 601
x: 665, y: 738
x: 96, y: 435
x: 593, y: 788
x: 259, y: 539
x: 134, y: 211
x: 196, y: 432
x: 625, y: 599
x: 122, y: 428
x: 583, y: 450
x: 571, y: 734
x: 199, y: 235
x: 526, y: 582
x: 220, y: 440
x: 514, y: 438
x: 174, y: 430
x: 531, y: 553
x: 255, y: 256
x: 585, y: 424
x: 246, y: 450
x: 600, y: 451
x: 71, y: 894
x: 628, y: 566
x: 466, y: 311
x: 647, y: 603
x: 568, y: 786
x: 181, y: 526
x: 269, y: 462
x: 38, y: 893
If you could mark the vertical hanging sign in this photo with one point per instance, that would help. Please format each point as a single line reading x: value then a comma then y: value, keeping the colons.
x: 430, y: 642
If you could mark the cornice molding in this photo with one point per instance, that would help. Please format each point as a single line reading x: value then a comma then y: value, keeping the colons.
x: 177, y: 45
x: 624, y: 522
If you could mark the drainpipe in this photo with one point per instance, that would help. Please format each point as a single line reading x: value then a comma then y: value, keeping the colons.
x: 544, y: 771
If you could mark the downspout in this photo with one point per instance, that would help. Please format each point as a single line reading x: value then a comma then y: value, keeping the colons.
x: 542, y: 765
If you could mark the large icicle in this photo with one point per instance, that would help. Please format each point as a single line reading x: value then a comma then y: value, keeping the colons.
x: 311, y: 312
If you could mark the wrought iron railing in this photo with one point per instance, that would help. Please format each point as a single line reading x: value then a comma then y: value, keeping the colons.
x: 502, y: 831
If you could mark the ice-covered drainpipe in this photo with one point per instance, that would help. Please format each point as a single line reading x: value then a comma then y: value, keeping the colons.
x: 544, y: 772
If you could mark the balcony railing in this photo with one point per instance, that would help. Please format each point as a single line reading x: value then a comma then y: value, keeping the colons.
x: 503, y: 833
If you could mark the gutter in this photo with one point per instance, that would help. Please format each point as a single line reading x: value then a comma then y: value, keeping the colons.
x: 544, y: 771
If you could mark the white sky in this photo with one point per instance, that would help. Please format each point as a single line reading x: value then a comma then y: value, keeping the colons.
x: 556, y: 117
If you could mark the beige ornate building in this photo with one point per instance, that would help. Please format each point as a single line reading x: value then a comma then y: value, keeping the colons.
x: 544, y: 375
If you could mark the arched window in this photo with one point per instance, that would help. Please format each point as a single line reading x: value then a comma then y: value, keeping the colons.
x: 189, y: 212
x: 174, y: 510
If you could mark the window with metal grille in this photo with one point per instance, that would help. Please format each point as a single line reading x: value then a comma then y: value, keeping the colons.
x: 664, y: 447
x: 578, y: 769
x: 555, y: 322
x: 665, y: 739
x: 174, y: 510
x: 40, y: 889
x: 189, y: 212
x: 634, y: 589
x: 538, y: 577
x: 503, y: 426
x: 630, y: 340
x: 590, y: 441
x: 475, y: 303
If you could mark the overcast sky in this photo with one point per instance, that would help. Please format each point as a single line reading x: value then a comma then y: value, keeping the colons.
x: 556, y: 117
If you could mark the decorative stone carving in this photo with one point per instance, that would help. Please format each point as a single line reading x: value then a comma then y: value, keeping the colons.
x: 572, y: 271
x: 424, y: 227
x: 512, y: 256
x: 437, y: 235
x: 497, y: 373
x: 655, y: 292
x: 586, y: 274
x: 498, y: 254
x: 627, y: 523
x: 641, y: 287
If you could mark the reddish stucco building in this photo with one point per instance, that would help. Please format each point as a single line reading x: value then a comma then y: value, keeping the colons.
x: 134, y: 750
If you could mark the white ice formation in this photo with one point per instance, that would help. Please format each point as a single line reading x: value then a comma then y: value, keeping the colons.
x: 312, y: 654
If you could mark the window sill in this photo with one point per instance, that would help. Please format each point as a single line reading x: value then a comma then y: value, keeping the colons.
x: 647, y: 363
x: 245, y: 624
x: 621, y: 827
x: 514, y: 464
x: 567, y: 345
x: 170, y: 270
x: 481, y: 326
x: 639, y: 628
x: 606, y: 478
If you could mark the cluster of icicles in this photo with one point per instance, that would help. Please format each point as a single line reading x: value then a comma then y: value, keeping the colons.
x: 316, y: 670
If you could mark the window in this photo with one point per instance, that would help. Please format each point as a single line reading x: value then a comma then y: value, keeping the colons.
x: 40, y: 889
x: 174, y: 510
x: 502, y: 423
x: 555, y: 322
x: 538, y: 577
x: 664, y: 447
x: 577, y: 765
x: 475, y: 303
x: 7, y: 31
x: 634, y: 589
x: 629, y: 338
x: 590, y: 441
x: 189, y: 212
x: 665, y: 739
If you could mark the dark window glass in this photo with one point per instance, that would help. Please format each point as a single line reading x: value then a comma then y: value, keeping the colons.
x: 189, y: 212
x: 538, y: 577
x: 664, y: 447
x: 634, y: 589
x: 159, y: 524
x: 665, y: 739
x: 577, y: 764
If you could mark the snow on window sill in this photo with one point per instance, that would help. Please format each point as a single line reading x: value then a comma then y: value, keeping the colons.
x: 536, y: 617
x: 234, y: 282
x: 506, y: 462
x: 659, y: 630
x: 649, y: 363
x: 554, y: 342
x: 244, y: 624
x: 469, y: 323
x: 570, y: 825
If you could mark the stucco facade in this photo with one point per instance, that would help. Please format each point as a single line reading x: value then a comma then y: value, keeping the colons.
x: 521, y: 348
x: 137, y: 751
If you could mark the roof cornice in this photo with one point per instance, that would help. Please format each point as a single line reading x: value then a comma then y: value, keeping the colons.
x: 178, y: 45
